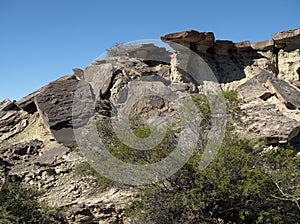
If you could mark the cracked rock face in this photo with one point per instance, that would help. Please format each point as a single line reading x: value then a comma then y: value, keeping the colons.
x: 12, y: 120
x: 36, y: 133
x: 288, y: 65
x: 268, y: 119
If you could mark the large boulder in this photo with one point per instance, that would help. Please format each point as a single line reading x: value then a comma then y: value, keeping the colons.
x: 54, y: 104
x: 198, y: 41
x: 287, y: 94
x: 191, y: 36
x: 289, y: 37
x: 148, y: 52
x: 255, y: 87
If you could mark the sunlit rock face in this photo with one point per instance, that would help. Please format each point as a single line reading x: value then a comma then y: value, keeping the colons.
x: 37, y: 142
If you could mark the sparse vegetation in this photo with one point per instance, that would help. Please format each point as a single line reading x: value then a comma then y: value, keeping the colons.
x: 19, y: 204
x: 117, y: 50
x: 235, y: 187
x: 243, y: 184
x: 85, y: 169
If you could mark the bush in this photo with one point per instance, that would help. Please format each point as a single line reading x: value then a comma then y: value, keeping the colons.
x: 235, y: 187
x: 243, y: 184
x: 117, y: 50
x: 85, y: 169
x: 129, y: 155
x: 19, y: 204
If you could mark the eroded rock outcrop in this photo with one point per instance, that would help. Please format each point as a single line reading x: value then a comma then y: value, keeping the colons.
x: 266, y: 122
x: 265, y: 75
x: 267, y: 119
x: 236, y: 61
x: 12, y: 119
x: 198, y: 41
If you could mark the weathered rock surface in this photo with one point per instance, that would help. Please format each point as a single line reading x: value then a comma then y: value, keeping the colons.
x: 287, y: 37
x: 243, y: 46
x: 100, y: 78
x: 148, y: 52
x: 264, y: 118
x: 12, y: 120
x: 255, y: 87
x: 265, y: 121
x: 222, y: 47
x: 27, y: 103
x: 198, y: 41
x: 287, y: 94
x: 28, y: 151
x: 263, y: 45
x: 236, y: 61
x: 289, y: 64
x: 296, y: 84
x: 54, y: 104
x: 191, y: 36
x: 54, y: 171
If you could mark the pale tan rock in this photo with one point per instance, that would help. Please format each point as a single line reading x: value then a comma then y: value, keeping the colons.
x: 289, y: 65
x: 265, y: 121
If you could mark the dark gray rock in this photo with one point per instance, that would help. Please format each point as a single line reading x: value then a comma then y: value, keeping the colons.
x: 99, y: 77
x: 54, y: 104
x: 52, y: 157
x: 296, y: 84
x: 222, y: 47
x: 287, y: 94
x: 27, y: 102
x: 255, y: 87
x: 12, y: 119
x: 148, y: 52
x: 191, y: 36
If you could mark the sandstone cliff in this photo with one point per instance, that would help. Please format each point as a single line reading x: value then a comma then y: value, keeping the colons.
x: 36, y: 132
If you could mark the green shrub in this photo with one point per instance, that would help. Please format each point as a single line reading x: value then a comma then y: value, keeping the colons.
x: 85, y: 169
x: 243, y: 184
x: 117, y: 50
x: 233, y: 103
x: 19, y: 204
x: 129, y: 155
x: 236, y: 187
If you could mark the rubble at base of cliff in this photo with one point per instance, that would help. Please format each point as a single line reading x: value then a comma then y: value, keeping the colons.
x: 36, y: 132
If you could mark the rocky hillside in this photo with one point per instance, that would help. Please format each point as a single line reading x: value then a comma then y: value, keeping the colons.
x: 38, y: 146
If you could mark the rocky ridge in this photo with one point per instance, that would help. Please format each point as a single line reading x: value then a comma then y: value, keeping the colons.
x: 36, y: 132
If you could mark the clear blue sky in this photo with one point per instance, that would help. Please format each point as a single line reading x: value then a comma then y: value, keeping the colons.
x: 42, y: 40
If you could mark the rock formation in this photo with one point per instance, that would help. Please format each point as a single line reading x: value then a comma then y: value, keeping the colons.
x: 36, y: 133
